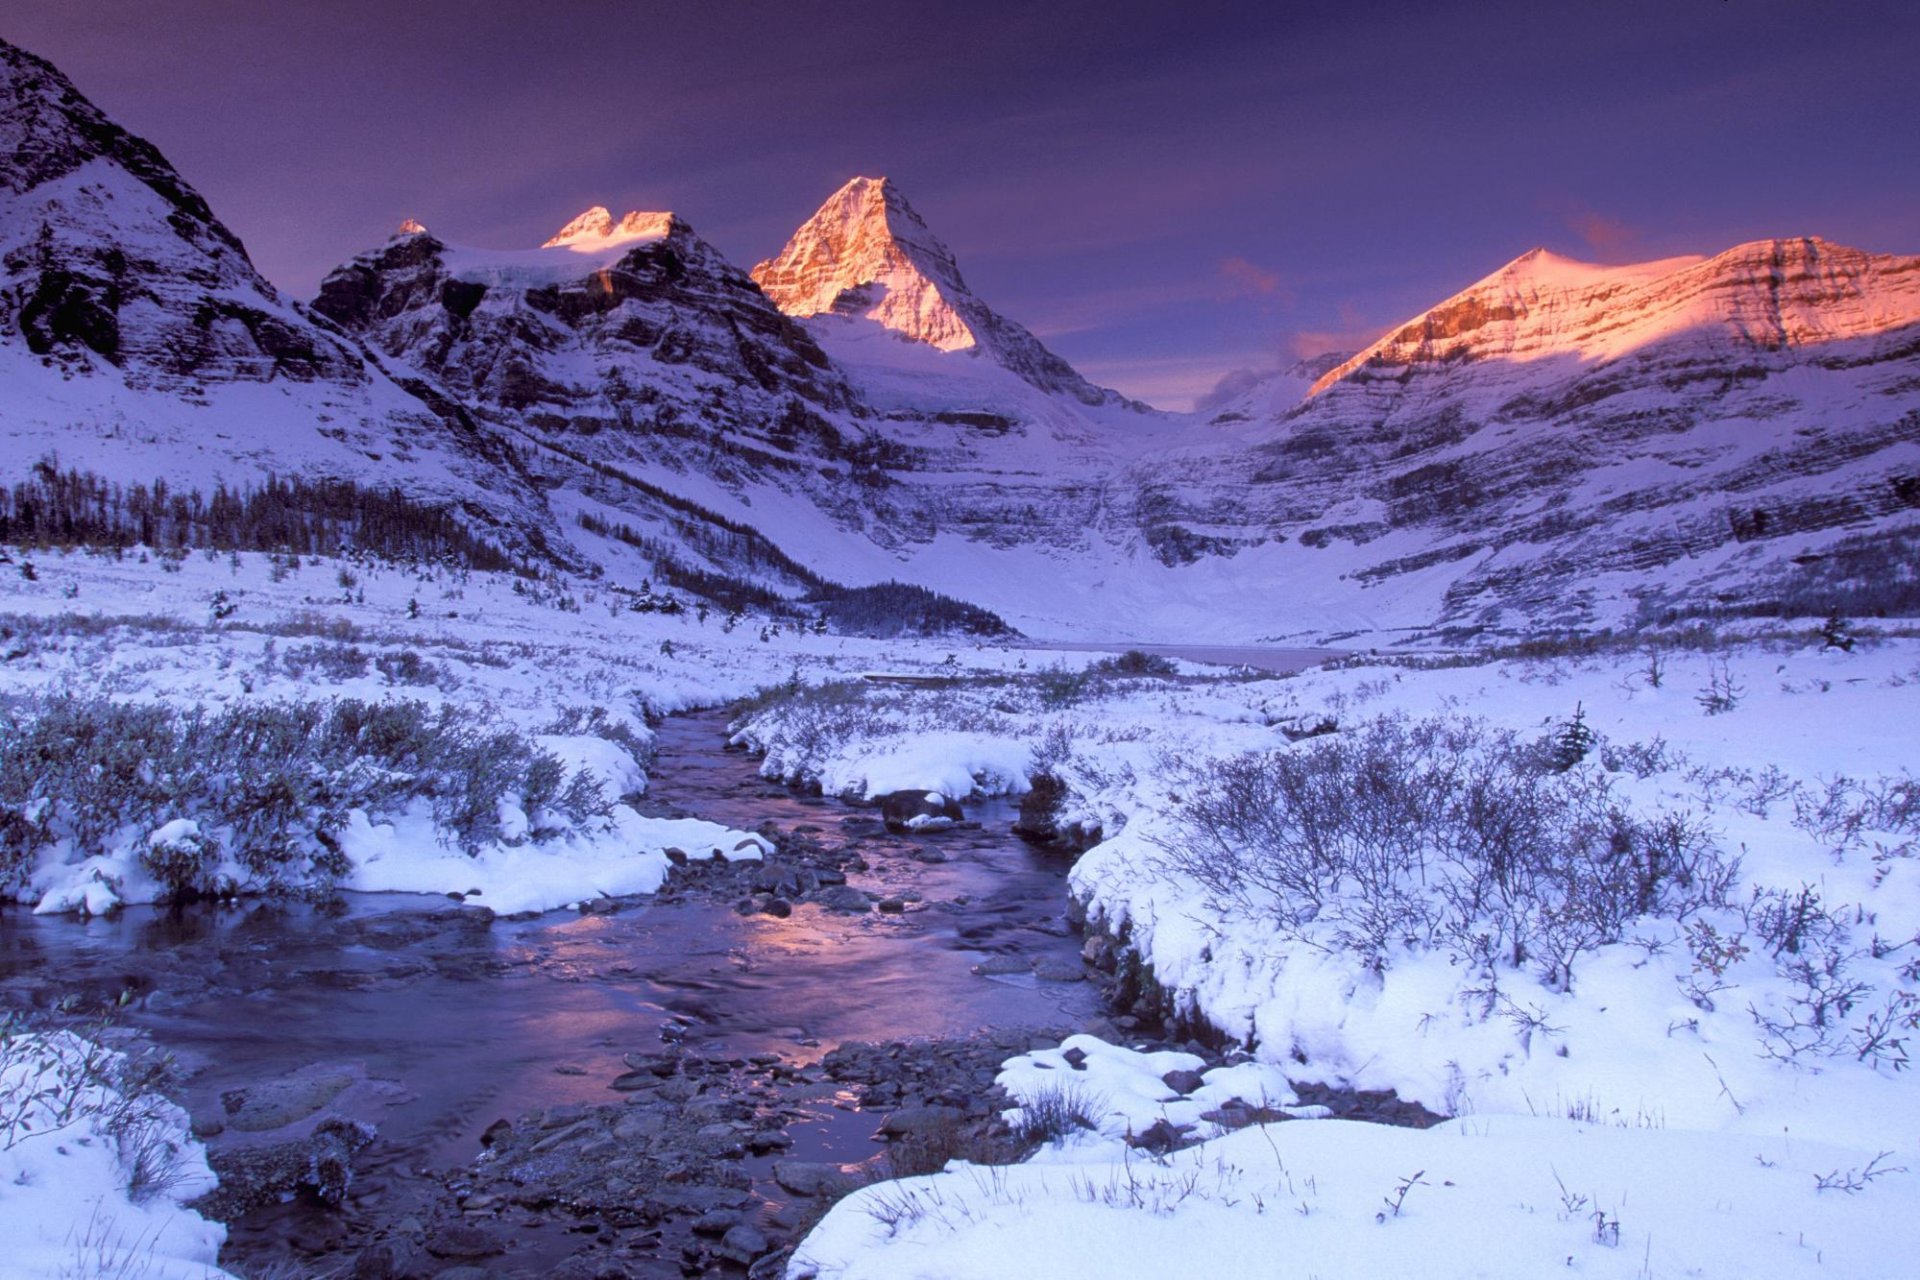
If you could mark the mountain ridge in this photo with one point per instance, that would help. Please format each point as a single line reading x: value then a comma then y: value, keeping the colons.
x: 1558, y: 444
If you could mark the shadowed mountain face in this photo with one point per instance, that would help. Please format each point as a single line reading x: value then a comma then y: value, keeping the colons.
x: 1552, y: 444
x: 111, y: 258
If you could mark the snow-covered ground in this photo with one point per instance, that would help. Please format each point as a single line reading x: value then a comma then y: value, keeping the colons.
x: 1720, y: 1091
x: 96, y: 1168
x: 1691, y: 1095
x: 567, y: 666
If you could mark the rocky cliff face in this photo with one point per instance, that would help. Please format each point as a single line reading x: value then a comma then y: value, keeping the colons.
x: 138, y: 341
x: 865, y: 252
x: 607, y: 322
x: 111, y: 259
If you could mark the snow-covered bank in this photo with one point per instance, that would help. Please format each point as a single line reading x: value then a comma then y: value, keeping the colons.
x: 417, y: 730
x: 1501, y: 1197
x: 1730, y: 1004
x: 96, y: 1168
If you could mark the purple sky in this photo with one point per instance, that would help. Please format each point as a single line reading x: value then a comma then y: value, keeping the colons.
x: 1165, y: 192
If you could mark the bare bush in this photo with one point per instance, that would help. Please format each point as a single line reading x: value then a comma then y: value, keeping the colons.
x: 273, y: 783
x: 1054, y: 1113
x: 1406, y: 833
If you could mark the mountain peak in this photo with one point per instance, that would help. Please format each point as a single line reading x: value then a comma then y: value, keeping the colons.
x: 865, y: 250
x: 597, y: 226
x: 410, y: 227
x: 1765, y: 295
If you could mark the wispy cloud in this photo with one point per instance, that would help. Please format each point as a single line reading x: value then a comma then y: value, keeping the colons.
x: 1610, y: 239
x: 1245, y: 279
x: 1352, y: 332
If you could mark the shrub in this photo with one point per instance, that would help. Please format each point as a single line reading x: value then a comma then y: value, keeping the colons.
x: 184, y: 864
x: 406, y: 667
x: 1441, y: 831
x: 1052, y: 1113
x: 329, y: 661
x: 1136, y: 662
x: 272, y: 782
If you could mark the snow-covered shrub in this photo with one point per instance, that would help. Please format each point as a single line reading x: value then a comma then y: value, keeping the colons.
x: 326, y: 661
x: 51, y: 1081
x: 272, y: 783
x: 1058, y: 686
x: 1135, y: 662
x: 181, y: 859
x: 1436, y: 832
x: 1843, y: 812
x: 407, y: 667
x: 600, y: 723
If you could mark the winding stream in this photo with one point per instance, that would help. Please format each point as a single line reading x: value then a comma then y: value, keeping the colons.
x: 445, y: 1021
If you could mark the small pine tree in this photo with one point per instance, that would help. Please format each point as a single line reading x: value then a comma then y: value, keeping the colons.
x: 1575, y: 739
x: 1837, y: 633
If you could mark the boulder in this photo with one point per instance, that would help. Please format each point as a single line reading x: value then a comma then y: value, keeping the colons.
x: 1183, y: 1082
x: 264, y: 1173
x: 743, y: 1244
x: 815, y: 1178
x: 918, y: 811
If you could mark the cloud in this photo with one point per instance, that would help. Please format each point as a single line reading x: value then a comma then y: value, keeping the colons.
x: 1353, y: 332
x: 1609, y: 238
x: 1244, y: 279
x: 1233, y: 384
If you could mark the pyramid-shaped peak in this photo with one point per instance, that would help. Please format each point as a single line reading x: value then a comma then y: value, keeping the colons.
x: 866, y: 246
x: 598, y: 224
x: 866, y: 253
x: 411, y: 227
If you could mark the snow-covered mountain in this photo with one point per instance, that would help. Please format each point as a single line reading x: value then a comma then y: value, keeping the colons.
x: 630, y: 348
x: 609, y: 323
x: 1547, y: 445
x: 1679, y: 423
x: 865, y: 252
x: 137, y: 340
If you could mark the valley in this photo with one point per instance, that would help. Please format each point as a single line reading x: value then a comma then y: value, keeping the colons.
x: 584, y: 759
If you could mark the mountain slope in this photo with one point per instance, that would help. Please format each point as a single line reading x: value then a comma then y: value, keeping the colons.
x: 138, y: 342
x: 1688, y: 426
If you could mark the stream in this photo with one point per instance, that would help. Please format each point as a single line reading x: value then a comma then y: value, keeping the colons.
x: 433, y: 1021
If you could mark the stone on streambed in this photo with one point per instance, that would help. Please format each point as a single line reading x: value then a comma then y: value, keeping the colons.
x: 464, y: 1240
x: 274, y: 1104
x: 815, y: 1178
x: 1049, y: 969
x: 905, y: 811
x: 743, y: 1244
x: 265, y: 1173
x: 912, y: 1120
x: 841, y: 898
